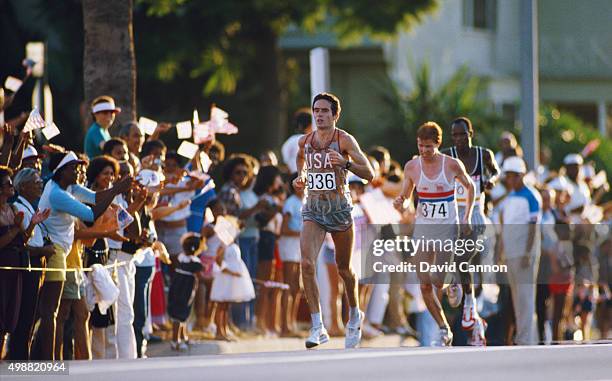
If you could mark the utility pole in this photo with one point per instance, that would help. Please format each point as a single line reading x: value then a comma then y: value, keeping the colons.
x: 530, y: 94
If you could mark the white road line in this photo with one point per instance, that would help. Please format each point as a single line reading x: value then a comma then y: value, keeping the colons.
x: 82, y: 368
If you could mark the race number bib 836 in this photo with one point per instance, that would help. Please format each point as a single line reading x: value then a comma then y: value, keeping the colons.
x: 322, y: 181
x: 434, y: 210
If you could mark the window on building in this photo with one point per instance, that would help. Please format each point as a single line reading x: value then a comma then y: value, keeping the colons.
x: 587, y: 112
x: 480, y: 14
x: 509, y: 112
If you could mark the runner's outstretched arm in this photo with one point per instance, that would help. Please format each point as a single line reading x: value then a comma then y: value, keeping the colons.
x: 407, y: 188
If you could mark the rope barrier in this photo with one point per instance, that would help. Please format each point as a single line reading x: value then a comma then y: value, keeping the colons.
x: 271, y: 284
x: 86, y: 269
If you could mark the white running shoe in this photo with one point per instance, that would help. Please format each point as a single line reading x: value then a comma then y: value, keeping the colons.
x: 318, y: 335
x: 455, y: 295
x: 179, y: 346
x: 469, y: 316
x: 445, y: 340
x: 210, y: 329
x: 353, y: 332
x: 478, y: 338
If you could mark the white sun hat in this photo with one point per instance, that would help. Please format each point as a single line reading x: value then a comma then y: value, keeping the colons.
x: 514, y: 164
x: 69, y: 158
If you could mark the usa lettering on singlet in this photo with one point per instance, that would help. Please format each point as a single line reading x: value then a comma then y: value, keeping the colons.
x: 321, y: 175
x: 437, y: 203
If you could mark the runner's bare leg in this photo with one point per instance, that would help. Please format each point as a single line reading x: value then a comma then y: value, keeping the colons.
x: 427, y: 290
x: 311, y: 240
x: 343, y: 241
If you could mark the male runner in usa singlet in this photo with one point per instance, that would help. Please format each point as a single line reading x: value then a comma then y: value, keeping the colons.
x: 324, y: 158
x: 484, y: 172
x: 433, y: 174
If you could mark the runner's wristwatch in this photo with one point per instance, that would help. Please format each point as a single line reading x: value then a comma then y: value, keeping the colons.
x: 348, y: 164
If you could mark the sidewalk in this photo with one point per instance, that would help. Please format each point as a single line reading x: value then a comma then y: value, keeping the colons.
x: 260, y: 344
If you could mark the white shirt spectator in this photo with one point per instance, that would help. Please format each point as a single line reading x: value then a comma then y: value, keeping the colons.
x: 175, y: 199
x: 23, y: 205
x: 580, y: 195
x: 65, y: 207
x: 520, y: 209
x: 289, y: 152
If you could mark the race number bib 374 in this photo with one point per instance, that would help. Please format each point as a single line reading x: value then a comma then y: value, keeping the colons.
x: 322, y: 181
x: 434, y: 210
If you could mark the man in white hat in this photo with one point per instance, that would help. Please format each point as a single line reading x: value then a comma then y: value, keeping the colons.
x: 103, y: 110
x: 66, y: 200
x: 520, y: 215
x: 580, y: 195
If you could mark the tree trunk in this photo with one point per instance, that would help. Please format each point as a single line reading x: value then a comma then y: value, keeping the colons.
x: 273, y: 99
x: 109, y: 64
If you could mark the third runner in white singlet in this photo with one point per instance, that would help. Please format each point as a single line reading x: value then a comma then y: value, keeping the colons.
x: 437, y: 217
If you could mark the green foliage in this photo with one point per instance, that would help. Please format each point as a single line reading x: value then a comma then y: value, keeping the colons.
x: 563, y: 133
x: 217, y: 38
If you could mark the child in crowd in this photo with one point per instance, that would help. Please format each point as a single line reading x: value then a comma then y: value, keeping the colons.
x: 289, y: 249
x: 208, y: 259
x: 232, y: 284
x: 182, y: 288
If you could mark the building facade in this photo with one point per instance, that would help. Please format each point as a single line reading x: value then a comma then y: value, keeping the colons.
x: 575, y: 52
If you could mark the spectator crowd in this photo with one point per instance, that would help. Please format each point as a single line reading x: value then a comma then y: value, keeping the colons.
x: 128, y: 243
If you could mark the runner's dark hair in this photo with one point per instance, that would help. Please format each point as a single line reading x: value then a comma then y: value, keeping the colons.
x: 331, y: 98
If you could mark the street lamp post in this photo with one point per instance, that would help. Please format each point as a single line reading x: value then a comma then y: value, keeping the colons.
x: 530, y: 137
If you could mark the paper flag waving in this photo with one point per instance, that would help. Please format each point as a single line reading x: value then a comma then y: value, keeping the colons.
x: 50, y: 131
x: 590, y: 147
x: 225, y: 128
x: 12, y: 84
x: 196, y: 117
x: 218, y: 114
x: 202, y: 133
x: 123, y: 218
x: 149, y: 178
x: 209, y: 217
x: 226, y: 230
x: 35, y: 121
x: 147, y: 125
x: 187, y: 149
x: 183, y: 130
x: 205, y: 161
x: 220, y: 123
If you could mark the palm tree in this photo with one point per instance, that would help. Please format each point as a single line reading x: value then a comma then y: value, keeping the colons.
x: 109, y: 65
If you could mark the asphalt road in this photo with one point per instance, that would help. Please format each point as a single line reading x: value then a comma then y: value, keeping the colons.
x: 559, y: 363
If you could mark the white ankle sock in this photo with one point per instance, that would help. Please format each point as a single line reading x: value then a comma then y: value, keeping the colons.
x: 317, y: 321
x: 354, y: 315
